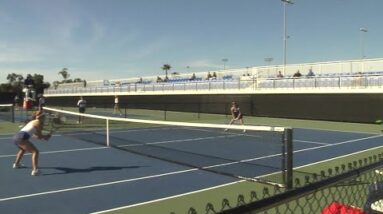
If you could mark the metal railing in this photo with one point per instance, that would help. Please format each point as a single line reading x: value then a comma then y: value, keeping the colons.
x: 248, y: 83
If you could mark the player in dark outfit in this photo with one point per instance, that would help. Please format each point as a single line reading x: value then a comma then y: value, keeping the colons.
x: 236, y: 114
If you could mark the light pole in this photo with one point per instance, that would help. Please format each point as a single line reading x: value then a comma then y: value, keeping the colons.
x: 362, y: 31
x: 224, y: 63
x: 285, y: 3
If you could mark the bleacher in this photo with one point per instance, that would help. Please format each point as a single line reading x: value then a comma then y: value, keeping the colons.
x: 339, y: 74
x: 331, y: 80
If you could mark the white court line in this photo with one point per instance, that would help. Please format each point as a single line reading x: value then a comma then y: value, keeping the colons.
x: 338, y: 157
x: 339, y: 143
x: 312, y: 142
x: 96, y: 185
x: 164, y: 174
x: 166, y: 198
x: 176, y: 141
x: 342, y: 156
x: 128, y: 145
x: 340, y: 131
x: 116, y: 182
x: 228, y: 184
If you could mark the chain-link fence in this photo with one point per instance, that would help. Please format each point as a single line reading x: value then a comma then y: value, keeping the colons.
x: 357, y: 185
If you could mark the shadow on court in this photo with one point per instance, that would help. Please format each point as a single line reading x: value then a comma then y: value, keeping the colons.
x: 67, y: 170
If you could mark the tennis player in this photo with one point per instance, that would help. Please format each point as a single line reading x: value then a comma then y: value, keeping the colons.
x: 236, y: 114
x: 21, y: 140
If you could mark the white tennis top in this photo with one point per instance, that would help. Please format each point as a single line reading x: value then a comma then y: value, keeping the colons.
x: 29, y: 128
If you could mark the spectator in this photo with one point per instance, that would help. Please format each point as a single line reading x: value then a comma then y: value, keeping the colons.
x: 159, y: 79
x: 280, y: 75
x: 41, y: 102
x: 297, y: 74
x: 310, y: 73
x: 17, y: 101
x: 193, y: 77
x: 81, y: 108
x: 209, y: 76
x: 214, y: 75
x: 116, y: 106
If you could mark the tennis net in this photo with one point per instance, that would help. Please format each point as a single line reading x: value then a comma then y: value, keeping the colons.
x: 7, y: 112
x: 254, y: 153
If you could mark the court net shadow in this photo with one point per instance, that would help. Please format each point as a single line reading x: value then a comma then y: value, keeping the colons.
x: 68, y: 170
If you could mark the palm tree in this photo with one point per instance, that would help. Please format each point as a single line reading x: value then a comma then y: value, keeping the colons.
x: 166, y: 68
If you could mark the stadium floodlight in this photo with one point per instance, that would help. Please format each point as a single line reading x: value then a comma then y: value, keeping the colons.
x: 224, y: 63
x: 362, y: 31
x: 268, y: 60
x: 285, y: 2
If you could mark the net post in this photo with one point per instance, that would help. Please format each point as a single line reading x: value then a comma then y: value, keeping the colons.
x: 289, y: 159
x: 107, y: 133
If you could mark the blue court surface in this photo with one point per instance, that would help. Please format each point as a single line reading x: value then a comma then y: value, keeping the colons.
x: 82, y: 177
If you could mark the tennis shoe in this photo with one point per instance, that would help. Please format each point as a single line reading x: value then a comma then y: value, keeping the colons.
x: 18, y: 166
x: 244, y: 131
x: 35, y: 172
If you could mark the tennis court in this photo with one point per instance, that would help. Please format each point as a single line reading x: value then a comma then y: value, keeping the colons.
x: 161, y: 162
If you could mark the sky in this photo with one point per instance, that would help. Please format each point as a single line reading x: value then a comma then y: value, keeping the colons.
x: 112, y: 39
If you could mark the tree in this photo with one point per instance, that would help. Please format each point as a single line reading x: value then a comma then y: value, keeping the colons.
x: 14, y: 78
x: 166, y: 68
x: 64, y: 73
x: 39, y: 83
x: 15, y: 83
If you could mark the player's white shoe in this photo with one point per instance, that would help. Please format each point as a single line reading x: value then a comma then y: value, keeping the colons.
x: 35, y: 172
x: 17, y: 166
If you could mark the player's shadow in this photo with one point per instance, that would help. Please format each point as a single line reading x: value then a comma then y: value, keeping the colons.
x: 67, y: 170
